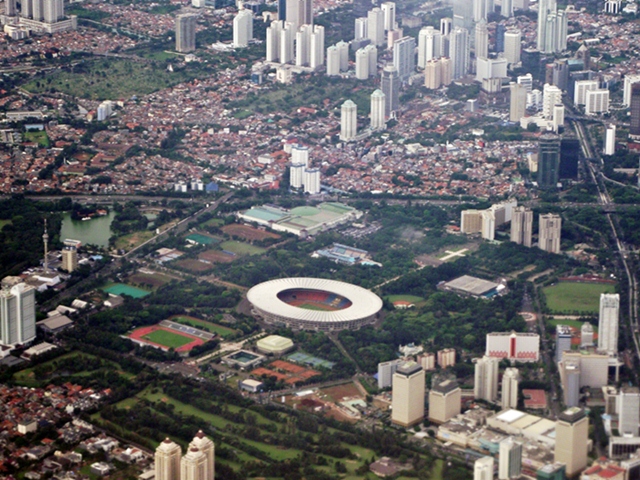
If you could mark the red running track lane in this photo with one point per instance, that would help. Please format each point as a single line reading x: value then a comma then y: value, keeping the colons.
x: 139, y: 333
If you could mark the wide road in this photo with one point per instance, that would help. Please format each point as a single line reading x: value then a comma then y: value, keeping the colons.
x: 604, y: 199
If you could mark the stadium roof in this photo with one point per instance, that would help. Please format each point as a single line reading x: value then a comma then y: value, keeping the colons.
x: 274, y: 343
x: 363, y: 302
x: 472, y: 285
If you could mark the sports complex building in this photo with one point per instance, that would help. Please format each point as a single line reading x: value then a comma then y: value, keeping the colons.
x: 314, y: 304
x: 301, y: 221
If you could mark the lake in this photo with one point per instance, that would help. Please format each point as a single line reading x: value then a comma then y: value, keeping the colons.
x: 96, y: 231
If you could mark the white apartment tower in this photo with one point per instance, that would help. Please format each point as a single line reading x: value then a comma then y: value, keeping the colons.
x: 375, y: 26
x: 551, y: 95
x: 408, y: 395
x: 303, y: 45
x: 242, y: 28
x: 581, y: 88
x: 287, y: 42
x: 517, y: 103
x: 53, y: 10
x: 404, y: 57
x: 360, y: 28
x: 296, y: 175
x: 429, y: 45
x: 312, y: 181
x: 273, y: 40
x: 389, y: 14
x: 316, y: 45
x: 377, y: 110
x: 486, y: 379
x: 512, y: 46
x: 608, y: 323
x: 333, y: 61
x: 510, y: 459
x: 167, y: 460
x: 510, y: 382
x: 193, y: 465
x: 207, y: 447
x: 549, y: 232
x: 482, y: 39
x: 17, y: 312
x: 186, y: 33
x: 348, y: 121
x: 628, y: 408
x: 597, y: 101
x: 366, y: 62
x: 610, y: 140
x: 628, y: 81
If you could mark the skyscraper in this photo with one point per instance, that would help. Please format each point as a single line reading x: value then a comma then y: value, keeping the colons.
x: 303, y: 45
x: 570, y: 375
x: 70, y: 255
x: 333, y: 61
x: 375, y: 26
x: 512, y: 46
x: 610, y: 140
x: 629, y: 80
x: 586, y: 335
x: 483, y: 469
x: 608, y: 323
x: 390, y: 84
x: 242, y: 28
x: 445, y: 401
x: 510, y: 382
x: 287, y: 42
x: 462, y: 15
x: 507, y: 8
x: 316, y: 47
x: 552, y: 95
x: 563, y: 340
x: 193, y: 465
x: 521, y: 226
x: 362, y: 64
x: 17, y: 312
x: 628, y: 408
x: 572, y: 437
x: 299, y: 12
x: 167, y: 459
x: 52, y: 10
x: 389, y: 11
x: 429, y: 45
x: 273, y: 40
x: 634, y: 104
x: 510, y: 463
x: 348, y: 121
x: 312, y: 181
x: 486, y: 379
x: 459, y: 52
x: 548, y: 161
x: 296, y: 175
x: 408, y: 395
x: 445, y: 26
x: 360, y: 31
x: 10, y: 8
x: 404, y: 57
x: 549, y: 232
x: 482, y: 39
x: 207, y: 447
x: 482, y: 9
x: 377, y: 110
x: 186, y: 33
x: 517, y: 103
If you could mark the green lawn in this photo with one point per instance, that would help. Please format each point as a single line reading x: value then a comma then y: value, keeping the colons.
x: 405, y: 298
x: 572, y: 297
x: 309, y: 306
x: 214, y: 222
x: 167, y: 339
x: 241, y: 248
x: 572, y: 323
x: 213, y: 327
x: 26, y: 377
x: 37, y: 136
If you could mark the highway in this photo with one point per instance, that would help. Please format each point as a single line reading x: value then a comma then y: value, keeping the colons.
x: 605, y: 201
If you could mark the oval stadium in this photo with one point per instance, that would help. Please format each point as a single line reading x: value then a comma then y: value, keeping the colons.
x: 314, y: 304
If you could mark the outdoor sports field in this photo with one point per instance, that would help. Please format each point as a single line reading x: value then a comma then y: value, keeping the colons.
x: 165, y: 338
x: 570, y: 297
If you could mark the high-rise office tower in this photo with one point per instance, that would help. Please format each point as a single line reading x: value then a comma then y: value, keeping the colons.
x: 186, y: 33
x: 333, y: 61
x: 10, y: 8
x: 608, y: 323
x: 282, y: 10
x: 462, y: 15
x: 517, y: 106
x: 482, y: 9
x: 348, y: 121
x: 545, y: 7
x: 53, y: 10
x: 375, y: 26
x: 404, y: 57
x: 580, y: 89
x: 445, y: 401
x: 486, y: 379
x: 483, y: 469
x: 299, y: 12
x: 408, y: 395
x: 207, y: 447
x: 316, y: 47
x: 510, y: 463
x: 570, y: 375
x: 551, y: 96
x: 242, y: 28
x: 634, y: 107
x: 510, y: 382
x: 628, y: 408
x: 390, y: 86
x: 167, y: 459
x: 312, y: 181
x: 360, y: 28
x: 70, y: 255
x: 459, y: 52
x: 586, y: 335
x: 548, y: 161
x: 482, y: 39
x: 506, y: 10
x: 446, y: 24
x: 522, y: 225
x: 501, y: 29
x: 429, y: 45
x: 377, y: 110
x: 389, y: 11
x: 610, y: 140
x: 572, y: 437
x: 512, y: 46
x: 629, y: 80
x: 193, y: 465
x: 549, y: 232
x: 17, y: 312
x: 563, y: 340
x: 597, y: 101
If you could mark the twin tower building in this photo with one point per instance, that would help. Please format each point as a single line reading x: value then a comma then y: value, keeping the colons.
x: 197, y: 464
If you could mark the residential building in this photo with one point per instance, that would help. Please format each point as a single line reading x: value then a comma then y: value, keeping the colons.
x: 483, y: 469
x: 360, y: 28
x: 389, y: 15
x: 242, y: 28
x: 375, y: 26
x: 486, y: 379
x: 312, y: 181
x: 597, y: 101
x: 193, y: 465
x: 186, y: 33
x: 610, y: 140
x: 348, y: 121
x: 481, y: 39
x: 551, y: 96
x: 510, y: 382
x: 522, y: 223
x: 608, y: 322
x: 580, y: 89
x: 299, y: 12
x: 446, y: 357
x: 404, y: 57
x: 167, y: 460
x: 510, y: 459
x: 333, y: 61
x: 207, y: 447
x: 70, y: 255
x: 628, y: 408
x: 429, y: 45
x: 512, y: 45
x: 386, y: 371
x: 377, y: 110
x: 408, y: 393
x: 17, y: 312
x: 549, y: 232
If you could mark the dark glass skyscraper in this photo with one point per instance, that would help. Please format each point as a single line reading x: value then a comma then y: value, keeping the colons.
x: 548, y: 161
x: 635, y: 110
x: 390, y: 83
